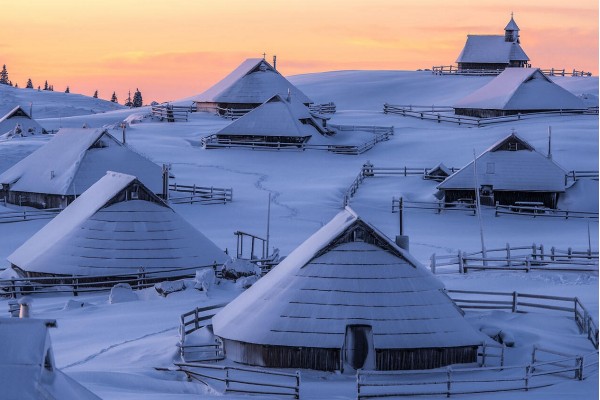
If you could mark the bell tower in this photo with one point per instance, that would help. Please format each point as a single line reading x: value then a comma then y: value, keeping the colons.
x: 511, y: 32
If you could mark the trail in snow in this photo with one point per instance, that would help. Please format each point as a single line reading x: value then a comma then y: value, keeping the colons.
x: 113, y: 346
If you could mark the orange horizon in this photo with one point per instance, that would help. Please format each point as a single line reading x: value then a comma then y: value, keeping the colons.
x: 179, y: 51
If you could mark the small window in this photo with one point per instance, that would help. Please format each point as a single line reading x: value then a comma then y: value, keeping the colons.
x: 491, y: 168
x: 359, y: 235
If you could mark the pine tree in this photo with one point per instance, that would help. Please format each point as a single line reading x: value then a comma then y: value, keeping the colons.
x: 137, y: 98
x: 16, y: 85
x: 51, y: 88
x: 4, y: 75
x: 128, y: 102
x: 29, y: 84
x: 67, y: 90
x: 114, y: 98
x: 46, y: 85
x: 95, y: 94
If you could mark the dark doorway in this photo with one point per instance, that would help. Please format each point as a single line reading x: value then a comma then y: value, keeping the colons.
x: 358, y: 347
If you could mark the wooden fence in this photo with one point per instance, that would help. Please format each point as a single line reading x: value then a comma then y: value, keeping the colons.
x: 454, y: 70
x: 171, y: 113
x: 200, y: 194
x: 244, y: 380
x: 28, y: 215
x: 444, y: 114
x: 77, y: 284
x: 517, y: 258
x: 523, y: 302
x: 326, y: 108
x: 380, y: 134
x: 399, y: 204
x: 542, y: 212
x: 458, y: 381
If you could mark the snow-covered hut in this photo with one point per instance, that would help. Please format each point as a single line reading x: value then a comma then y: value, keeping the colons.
x: 493, y: 52
x: 27, y: 369
x: 437, y: 173
x: 248, y: 86
x: 72, y: 161
x: 17, y: 122
x: 510, y: 171
x: 518, y: 90
x: 278, y: 122
x: 117, y: 226
x: 347, y: 296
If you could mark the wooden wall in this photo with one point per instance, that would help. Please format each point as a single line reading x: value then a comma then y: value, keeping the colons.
x: 428, y: 358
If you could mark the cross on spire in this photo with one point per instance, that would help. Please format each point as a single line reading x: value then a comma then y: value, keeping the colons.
x: 264, y: 56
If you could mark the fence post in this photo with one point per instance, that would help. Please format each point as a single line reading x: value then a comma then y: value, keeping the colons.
x: 358, y: 384
x: 483, y: 354
x: 542, y: 252
x: 196, y: 325
x: 297, y: 391
x: 579, y: 370
x: 461, y: 265
x: 432, y: 264
x: 515, y: 301
x: 533, y: 251
x: 226, y: 379
x: 527, y: 263
x: 552, y: 250
x: 533, y: 351
x: 508, y: 255
x: 74, y: 281
x: 449, y: 377
x: 14, y: 289
x: 527, y: 373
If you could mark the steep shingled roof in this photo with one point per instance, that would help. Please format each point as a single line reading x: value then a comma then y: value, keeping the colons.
x: 346, y: 273
x: 491, y: 49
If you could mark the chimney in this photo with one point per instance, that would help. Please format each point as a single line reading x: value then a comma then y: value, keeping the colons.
x: 25, y: 302
x: 275, y: 62
x: 124, y: 126
x: 165, y: 176
x: 402, y: 239
x: 289, y: 95
x: 550, y: 142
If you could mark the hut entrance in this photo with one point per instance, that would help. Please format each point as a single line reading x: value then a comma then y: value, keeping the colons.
x: 359, y: 351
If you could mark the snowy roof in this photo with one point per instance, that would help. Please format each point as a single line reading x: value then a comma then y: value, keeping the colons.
x: 27, y: 364
x: 18, y: 115
x: 523, y: 169
x: 521, y: 89
x: 439, y: 169
x: 74, y: 159
x: 253, y: 82
x: 276, y: 117
x: 346, y: 273
x: 491, y: 49
x: 105, y: 232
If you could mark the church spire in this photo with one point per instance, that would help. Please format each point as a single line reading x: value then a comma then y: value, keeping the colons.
x: 511, y: 31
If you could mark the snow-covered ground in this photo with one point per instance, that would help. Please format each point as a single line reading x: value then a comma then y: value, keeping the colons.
x: 113, y: 348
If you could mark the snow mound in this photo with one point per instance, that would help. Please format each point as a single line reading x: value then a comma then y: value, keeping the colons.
x: 121, y: 293
x: 581, y: 196
x: 205, y: 279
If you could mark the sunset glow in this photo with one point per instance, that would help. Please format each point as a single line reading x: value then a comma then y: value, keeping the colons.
x: 175, y: 49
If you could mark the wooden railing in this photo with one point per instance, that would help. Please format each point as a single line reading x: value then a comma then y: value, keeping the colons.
x: 454, y: 70
x: 200, y: 194
x: 399, y: 204
x: 564, y: 72
x: 326, y: 108
x: 28, y: 215
x: 517, y: 258
x: 171, y: 113
x: 380, y: 134
x: 442, y: 114
x: 244, y: 380
x: 524, y: 302
x: 543, y: 212
x: 77, y: 284
x: 459, y: 381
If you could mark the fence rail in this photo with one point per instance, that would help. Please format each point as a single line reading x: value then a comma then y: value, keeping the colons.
x: 28, y: 215
x: 456, y: 381
x: 454, y: 70
x: 326, y: 108
x: 542, y: 212
x: 517, y: 258
x: 200, y: 194
x: 443, y: 114
x: 77, y: 284
x: 380, y: 134
x: 171, y: 113
x: 524, y: 302
x: 244, y: 380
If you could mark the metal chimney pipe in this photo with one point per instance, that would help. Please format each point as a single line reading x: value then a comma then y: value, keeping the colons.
x: 275, y: 62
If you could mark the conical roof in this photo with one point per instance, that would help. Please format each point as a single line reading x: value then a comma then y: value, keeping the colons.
x: 346, y: 273
x: 276, y: 117
x: 74, y: 159
x: 512, y: 25
x: 116, y: 227
x: 253, y: 82
x: 521, y: 89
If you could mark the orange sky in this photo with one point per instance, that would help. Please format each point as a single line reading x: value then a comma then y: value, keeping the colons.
x: 171, y: 49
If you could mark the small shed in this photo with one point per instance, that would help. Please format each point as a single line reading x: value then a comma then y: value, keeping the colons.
x: 17, y: 122
x: 69, y: 164
x: 518, y: 91
x: 347, y: 296
x: 27, y: 368
x: 251, y: 84
x: 118, y: 226
x: 278, y: 122
x: 510, y: 171
x: 493, y: 52
x: 437, y: 173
